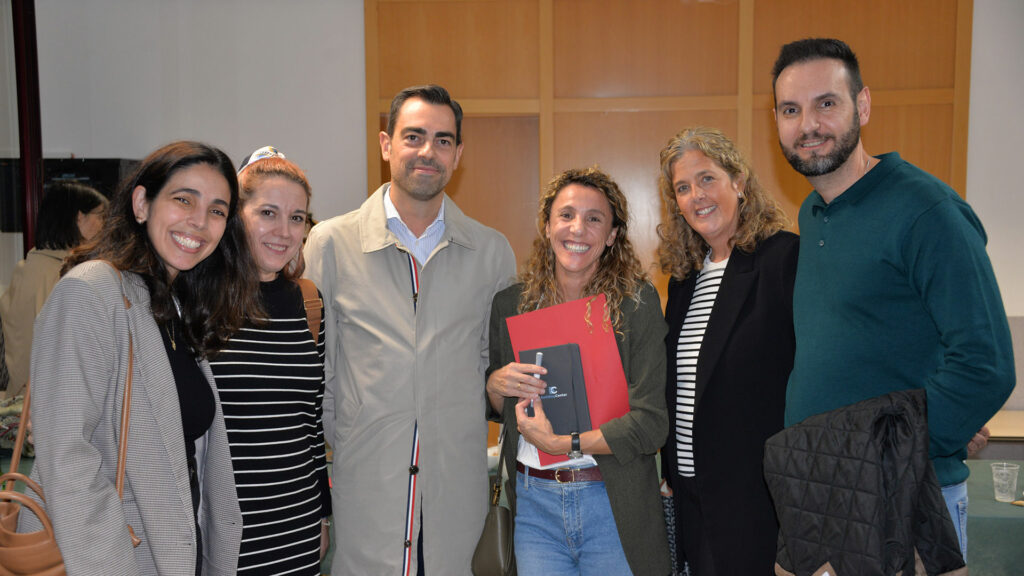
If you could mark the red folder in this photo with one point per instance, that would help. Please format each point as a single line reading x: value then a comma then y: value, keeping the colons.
x: 580, y: 322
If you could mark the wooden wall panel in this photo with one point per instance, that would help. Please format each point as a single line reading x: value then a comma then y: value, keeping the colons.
x: 474, y: 49
x: 772, y: 169
x: 611, y: 48
x: 496, y: 182
x: 550, y: 84
x: 922, y: 134
x: 907, y: 44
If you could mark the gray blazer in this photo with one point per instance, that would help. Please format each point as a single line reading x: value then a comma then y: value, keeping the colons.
x: 79, y: 359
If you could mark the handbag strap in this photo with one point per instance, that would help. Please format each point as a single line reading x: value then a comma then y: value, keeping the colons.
x: 496, y: 487
x: 313, y: 305
x: 19, y: 438
x: 122, y: 444
x: 126, y: 409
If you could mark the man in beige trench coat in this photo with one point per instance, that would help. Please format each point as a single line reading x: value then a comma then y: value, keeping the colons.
x: 407, y: 281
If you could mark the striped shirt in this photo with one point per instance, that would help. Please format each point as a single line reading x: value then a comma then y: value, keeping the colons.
x: 271, y: 383
x: 691, y: 336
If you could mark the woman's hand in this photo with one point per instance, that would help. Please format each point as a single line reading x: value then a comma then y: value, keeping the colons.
x: 517, y: 380
x: 325, y: 537
x: 979, y: 441
x: 514, y: 380
x: 537, y: 430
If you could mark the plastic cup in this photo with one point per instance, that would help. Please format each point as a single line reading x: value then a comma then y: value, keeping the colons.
x: 1004, y: 480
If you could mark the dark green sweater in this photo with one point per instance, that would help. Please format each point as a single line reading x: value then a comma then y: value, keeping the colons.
x: 894, y: 290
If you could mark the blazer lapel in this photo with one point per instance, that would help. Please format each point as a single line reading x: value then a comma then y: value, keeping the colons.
x: 155, y: 383
x: 732, y: 293
x: 679, y: 294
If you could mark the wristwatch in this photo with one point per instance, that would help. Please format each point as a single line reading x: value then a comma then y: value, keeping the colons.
x: 575, y: 451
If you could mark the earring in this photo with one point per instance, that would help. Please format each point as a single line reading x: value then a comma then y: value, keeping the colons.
x: 739, y: 195
x: 140, y: 219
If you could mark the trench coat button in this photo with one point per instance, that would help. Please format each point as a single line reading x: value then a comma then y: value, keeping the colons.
x: 414, y: 469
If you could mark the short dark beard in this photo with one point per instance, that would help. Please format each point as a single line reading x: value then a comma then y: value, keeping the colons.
x: 417, y: 190
x: 821, y: 165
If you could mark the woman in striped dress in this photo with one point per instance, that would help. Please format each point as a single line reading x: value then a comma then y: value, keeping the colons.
x: 270, y: 378
x: 729, y: 347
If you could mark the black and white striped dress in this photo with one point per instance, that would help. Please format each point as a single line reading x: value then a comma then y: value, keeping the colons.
x: 271, y: 383
x: 691, y: 336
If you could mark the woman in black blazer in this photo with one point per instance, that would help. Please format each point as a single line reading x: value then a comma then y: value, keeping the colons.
x: 730, y: 350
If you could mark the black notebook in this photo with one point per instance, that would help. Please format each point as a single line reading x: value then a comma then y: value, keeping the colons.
x: 565, y: 399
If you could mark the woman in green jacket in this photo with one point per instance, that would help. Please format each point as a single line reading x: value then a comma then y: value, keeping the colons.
x: 600, y: 512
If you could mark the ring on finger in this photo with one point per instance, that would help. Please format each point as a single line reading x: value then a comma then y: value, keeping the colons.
x: 519, y: 385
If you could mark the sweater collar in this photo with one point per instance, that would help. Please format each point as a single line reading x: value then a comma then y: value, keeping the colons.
x: 861, y: 188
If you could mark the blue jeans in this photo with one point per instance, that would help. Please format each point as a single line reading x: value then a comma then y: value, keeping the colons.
x: 956, y: 501
x: 566, y: 529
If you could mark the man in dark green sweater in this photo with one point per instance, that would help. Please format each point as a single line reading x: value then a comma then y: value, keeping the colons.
x: 894, y: 289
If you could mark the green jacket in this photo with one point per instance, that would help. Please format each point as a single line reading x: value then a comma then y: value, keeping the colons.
x: 630, y: 474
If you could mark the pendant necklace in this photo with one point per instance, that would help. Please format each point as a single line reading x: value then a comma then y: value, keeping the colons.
x: 170, y: 325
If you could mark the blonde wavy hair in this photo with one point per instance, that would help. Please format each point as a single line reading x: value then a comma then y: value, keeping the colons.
x: 619, y: 275
x: 682, y: 249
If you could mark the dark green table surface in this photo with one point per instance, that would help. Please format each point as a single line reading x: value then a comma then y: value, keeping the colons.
x: 995, y: 530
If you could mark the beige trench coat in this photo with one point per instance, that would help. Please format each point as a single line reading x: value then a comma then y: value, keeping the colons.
x: 32, y: 281
x: 390, y: 368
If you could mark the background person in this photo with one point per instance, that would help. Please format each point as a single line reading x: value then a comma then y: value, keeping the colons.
x: 69, y: 214
x: 608, y: 519
x: 270, y: 378
x: 174, y: 232
x: 730, y: 349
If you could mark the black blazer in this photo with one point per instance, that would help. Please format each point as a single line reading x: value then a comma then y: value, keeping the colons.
x: 744, y: 363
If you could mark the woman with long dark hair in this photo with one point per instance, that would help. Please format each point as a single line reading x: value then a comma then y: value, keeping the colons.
x: 164, y: 285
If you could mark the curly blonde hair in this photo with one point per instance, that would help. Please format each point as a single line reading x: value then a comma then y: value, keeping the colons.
x: 619, y: 273
x: 682, y: 249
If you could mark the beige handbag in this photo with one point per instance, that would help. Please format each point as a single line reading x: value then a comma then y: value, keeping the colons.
x: 495, y: 553
x: 36, y: 553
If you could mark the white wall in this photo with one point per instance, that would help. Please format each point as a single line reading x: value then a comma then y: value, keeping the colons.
x: 118, y: 78
x: 995, y: 144
x: 8, y: 86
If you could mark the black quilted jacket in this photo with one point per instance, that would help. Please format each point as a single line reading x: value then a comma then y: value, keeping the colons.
x: 854, y: 488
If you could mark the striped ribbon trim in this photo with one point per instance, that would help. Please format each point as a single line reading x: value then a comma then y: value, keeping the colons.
x: 414, y: 277
x: 414, y: 459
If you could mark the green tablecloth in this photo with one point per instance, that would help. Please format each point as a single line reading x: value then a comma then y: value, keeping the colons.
x: 995, y: 530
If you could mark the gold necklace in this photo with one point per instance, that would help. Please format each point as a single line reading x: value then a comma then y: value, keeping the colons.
x: 170, y: 334
x: 170, y: 323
